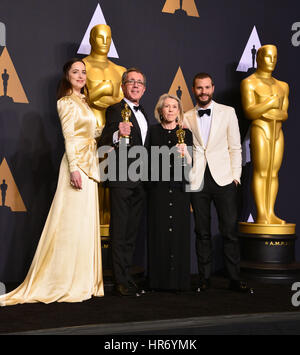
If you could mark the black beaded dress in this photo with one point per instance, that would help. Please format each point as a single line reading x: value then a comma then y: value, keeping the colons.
x: 169, y: 220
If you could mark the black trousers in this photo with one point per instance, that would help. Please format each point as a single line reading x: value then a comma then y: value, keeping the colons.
x: 126, y: 211
x: 225, y: 201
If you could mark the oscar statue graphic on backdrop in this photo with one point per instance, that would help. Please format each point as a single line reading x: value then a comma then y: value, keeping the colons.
x: 104, y: 85
x: 253, y: 53
x: 11, y: 199
x: 181, y: 8
x: 179, y: 92
x: 5, y: 77
x: 3, y: 188
x: 179, y: 88
x: 11, y: 89
x: 268, y: 243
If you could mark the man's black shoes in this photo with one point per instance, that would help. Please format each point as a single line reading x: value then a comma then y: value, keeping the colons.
x: 240, y: 286
x: 132, y: 290
x: 204, y: 285
x: 234, y: 285
x: 124, y: 291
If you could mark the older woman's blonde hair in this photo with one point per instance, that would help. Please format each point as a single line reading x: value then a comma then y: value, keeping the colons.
x: 160, y: 103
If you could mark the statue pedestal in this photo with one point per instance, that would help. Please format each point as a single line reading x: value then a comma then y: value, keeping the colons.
x: 268, y: 252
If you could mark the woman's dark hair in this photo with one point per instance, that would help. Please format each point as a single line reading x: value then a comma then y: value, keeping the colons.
x: 64, y: 86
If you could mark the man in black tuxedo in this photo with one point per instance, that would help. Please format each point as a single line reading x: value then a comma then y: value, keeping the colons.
x: 126, y: 196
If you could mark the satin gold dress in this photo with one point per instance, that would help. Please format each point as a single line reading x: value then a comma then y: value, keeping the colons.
x: 67, y: 265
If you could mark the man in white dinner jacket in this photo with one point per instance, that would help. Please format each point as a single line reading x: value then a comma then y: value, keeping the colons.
x: 216, y: 172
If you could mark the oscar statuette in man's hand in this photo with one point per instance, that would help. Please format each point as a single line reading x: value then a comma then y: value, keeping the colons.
x: 125, y: 126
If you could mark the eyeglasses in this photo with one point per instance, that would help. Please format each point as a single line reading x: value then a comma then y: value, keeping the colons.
x: 134, y: 82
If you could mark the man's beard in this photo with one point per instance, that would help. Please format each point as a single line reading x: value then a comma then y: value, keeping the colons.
x: 202, y: 102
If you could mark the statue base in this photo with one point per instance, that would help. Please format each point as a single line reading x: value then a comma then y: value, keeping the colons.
x: 104, y: 230
x: 268, y: 252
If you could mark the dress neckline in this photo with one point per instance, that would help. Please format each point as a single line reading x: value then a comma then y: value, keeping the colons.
x: 82, y: 98
x: 169, y: 129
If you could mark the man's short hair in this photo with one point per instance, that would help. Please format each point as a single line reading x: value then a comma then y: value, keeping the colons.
x: 130, y: 70
x: 202, y: 76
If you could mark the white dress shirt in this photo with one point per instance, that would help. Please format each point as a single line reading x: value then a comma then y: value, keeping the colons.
x: 204, y: 123
x: 141, y: 120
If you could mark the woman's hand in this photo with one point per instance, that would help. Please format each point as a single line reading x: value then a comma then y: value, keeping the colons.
x: 183, y: 151
x: 236, y: 182
x: 75, y: 180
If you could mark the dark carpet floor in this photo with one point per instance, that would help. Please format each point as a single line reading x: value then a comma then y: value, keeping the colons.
x: 268, y: 298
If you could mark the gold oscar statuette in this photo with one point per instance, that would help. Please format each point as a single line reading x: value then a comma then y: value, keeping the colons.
x: 103, y: 76
x: 268, y: 244
x: 126, y: 114
x: 180, y: 137
x: 265, y: 103
x: 104, y: 87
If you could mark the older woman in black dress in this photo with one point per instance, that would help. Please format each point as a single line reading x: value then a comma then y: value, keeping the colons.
x: 169, y: 203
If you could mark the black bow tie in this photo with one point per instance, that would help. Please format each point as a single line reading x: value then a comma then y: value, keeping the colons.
x: 203, y: 112
x: 136, y: 108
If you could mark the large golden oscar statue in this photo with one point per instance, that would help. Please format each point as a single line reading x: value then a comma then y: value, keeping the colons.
x: 104, y: 85
x: 269, y: 241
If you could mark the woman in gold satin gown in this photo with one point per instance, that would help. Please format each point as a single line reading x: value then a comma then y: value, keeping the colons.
x: 67, y: 263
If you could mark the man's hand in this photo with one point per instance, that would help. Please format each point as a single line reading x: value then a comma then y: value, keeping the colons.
x: 124, y: 129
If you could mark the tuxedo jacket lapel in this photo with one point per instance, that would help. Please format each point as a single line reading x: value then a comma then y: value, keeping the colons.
x: 215, y: 123
x: 195, y: 127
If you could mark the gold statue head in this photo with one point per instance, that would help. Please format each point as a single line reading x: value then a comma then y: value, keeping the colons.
x: 267, y: 58
x: 100, y: 39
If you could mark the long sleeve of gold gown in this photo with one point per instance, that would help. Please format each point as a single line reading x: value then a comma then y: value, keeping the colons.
x: 67, y: 263
x: 79, y: 134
